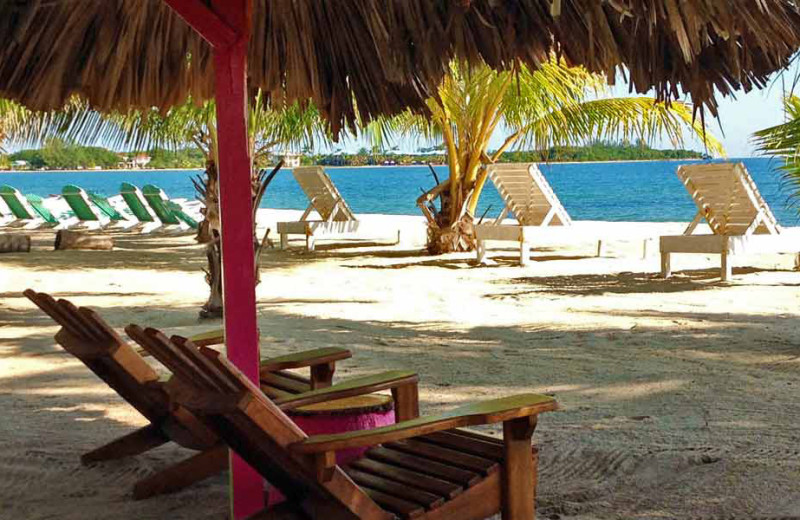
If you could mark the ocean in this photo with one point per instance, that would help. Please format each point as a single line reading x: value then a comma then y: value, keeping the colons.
x: 623, y: 191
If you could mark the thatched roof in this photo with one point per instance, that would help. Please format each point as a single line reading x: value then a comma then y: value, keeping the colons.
x: 385, y: 54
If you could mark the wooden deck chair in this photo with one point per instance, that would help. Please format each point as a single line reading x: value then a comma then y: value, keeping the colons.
x: 336, y: 217
x: 28, y: 209
x: 529, y: 197
x: 88, y: 337
x: 738, y: 216
x: 425, y: 468
x: 90, y: 208
x: 168, y: 212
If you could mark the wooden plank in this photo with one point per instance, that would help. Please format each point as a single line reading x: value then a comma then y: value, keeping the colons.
x: 519, y: 472
x: 445, y: 455
x: 474, y: 446
x: 422, y: 465
x: 396, y: 489
x: 398, y: 506
x: 283, y: 383
x: 409, y: 477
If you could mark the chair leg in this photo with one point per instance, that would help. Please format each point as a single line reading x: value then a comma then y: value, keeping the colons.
x: 284, y: 241
x: 322, y: 375
x: 406, y: 402
x: 310, y: 243
x: 185, y: 473
x: 600, y: 250
x: 139, y: 441
x: 519, y: 470
x: 725, y: 271
x: 524, y: 253
x: 666, y: 268
x: 480, y: 251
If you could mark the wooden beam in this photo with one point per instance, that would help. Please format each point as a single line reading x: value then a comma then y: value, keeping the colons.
x: 205, y: 22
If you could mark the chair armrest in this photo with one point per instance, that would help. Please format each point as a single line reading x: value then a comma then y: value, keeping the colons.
x: 209, y: 338
x: 486, y: 412
x: 306, y: 358
x: 351, y: 387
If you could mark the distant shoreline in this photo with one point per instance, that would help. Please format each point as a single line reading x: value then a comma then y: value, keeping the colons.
x: 378, y: 166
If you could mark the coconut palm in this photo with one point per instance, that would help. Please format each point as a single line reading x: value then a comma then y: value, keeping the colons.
x: 783, y: 141
x: 270, y: 128
x: 554, y: 106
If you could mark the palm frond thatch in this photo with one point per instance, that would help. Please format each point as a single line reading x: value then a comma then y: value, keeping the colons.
x: 386, y: 55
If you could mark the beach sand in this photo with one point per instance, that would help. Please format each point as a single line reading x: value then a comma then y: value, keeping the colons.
x: 680, y: 398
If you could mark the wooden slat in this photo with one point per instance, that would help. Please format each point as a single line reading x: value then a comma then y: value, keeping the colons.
x: 398, y: 506
x: 423, y: 465
x: 409, y: 477
x: 395, y: 489
x: 284, y: 383
x: 470, y: 445
x: 445, y: 455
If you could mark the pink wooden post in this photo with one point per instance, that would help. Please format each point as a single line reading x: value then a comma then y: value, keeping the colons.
x: 226, y: 26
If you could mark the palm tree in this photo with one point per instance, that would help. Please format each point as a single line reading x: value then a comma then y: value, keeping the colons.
x: 270, y: 127
x: 783, y: 141
x: 555, y: 105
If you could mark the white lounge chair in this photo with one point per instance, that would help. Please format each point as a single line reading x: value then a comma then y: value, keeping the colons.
x: 335, y: 216
x: 529, y: 197
x: 739, y: 218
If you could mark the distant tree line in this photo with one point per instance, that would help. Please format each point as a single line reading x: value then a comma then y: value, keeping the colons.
x: 57, y: 154
x: 60, y: 155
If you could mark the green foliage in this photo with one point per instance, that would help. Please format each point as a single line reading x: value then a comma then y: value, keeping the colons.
x: 5, y: 162
x: 783, y: 141
x: 60, y: 155
x: 162, y: 158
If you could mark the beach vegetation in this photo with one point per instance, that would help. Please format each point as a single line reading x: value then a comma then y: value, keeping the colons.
x: 553, y: 106
x: 783, y: 142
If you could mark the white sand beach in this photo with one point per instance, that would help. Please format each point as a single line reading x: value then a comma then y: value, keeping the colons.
x: 679, y: 397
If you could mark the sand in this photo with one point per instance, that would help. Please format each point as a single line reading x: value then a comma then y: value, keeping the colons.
x: 679, y: 397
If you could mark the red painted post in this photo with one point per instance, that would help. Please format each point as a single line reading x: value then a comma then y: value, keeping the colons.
x: 226, y: 26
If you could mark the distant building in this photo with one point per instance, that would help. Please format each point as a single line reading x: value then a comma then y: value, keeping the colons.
x: 136, y: 162
x: 20, y: 164
x: 291, y: 160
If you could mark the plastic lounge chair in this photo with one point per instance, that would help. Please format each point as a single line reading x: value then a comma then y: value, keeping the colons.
x: 336, y: 216
x: 424, y: 468
x: 28, y: 208
x: 136, y: 203
x: 90, y: 207
x: 167, y: 211
x: 88, y: 337
x: 739, y: 218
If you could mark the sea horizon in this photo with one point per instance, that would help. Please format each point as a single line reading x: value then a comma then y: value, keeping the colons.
x: 613, y: 191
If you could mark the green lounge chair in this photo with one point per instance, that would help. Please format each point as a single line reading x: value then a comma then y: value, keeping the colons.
x: 136, y: 203
x: 83, y: 205
x: 26, y: 208
x: 167, y: 211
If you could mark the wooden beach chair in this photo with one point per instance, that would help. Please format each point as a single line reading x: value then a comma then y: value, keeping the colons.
x: 88, y: 337
x: 168, y: 212
x: 335, y: 216
x: 91, y: 208
x: 529, y: 197
x: 738, y: 216
x: 425, y: 468
x: 27, y: 209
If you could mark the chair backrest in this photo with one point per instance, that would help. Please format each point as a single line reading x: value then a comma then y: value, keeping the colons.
x: 135, y: 200
x: 322, y: 193
x: 157, y: 199
x: 16, y: 203
x: 103, y: 205
x: 38, y: 206
x: 244, y: 417
x: 88, y: 337
x: 728, y: 198
x: 78, y: 200
x: 528, y: 195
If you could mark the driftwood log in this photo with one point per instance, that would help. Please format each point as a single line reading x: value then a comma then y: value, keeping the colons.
x: 74, y: 240
x: 15, y: 243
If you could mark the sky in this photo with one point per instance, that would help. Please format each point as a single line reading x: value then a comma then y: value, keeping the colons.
x: 739, y: 117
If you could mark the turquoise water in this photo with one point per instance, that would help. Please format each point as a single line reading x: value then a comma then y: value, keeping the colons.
x: 643, y: 191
